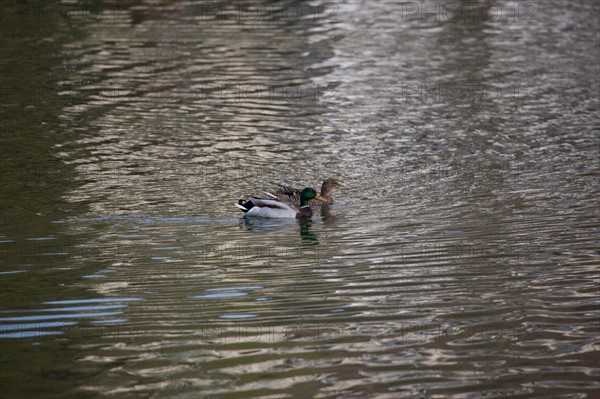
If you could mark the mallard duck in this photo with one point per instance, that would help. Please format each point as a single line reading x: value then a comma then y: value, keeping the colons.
x: 274, y: 208
x: 286, y: 193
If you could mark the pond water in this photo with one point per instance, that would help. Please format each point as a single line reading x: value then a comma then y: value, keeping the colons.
x: 459, y: 259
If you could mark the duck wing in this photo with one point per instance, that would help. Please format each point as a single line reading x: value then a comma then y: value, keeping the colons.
x: 288, y: 190
x: 287, y: 193
x: 270, y: 203
x: 269, y: 208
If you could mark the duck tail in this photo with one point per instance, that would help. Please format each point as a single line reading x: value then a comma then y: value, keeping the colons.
x: 245, y: 205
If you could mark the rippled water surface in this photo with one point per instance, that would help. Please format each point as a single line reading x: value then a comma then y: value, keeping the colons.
x: 459, y: 259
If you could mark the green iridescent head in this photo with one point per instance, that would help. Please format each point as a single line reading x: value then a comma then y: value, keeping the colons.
x: 310, y: 193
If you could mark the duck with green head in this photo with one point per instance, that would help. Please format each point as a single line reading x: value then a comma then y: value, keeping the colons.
x: 274, y: 208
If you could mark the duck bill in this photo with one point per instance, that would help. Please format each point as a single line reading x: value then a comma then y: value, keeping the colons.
x: 319, y: 198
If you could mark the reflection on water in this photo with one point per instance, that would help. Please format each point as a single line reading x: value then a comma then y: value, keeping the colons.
x: 458, y: 260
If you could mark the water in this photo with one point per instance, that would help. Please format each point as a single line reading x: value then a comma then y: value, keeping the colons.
x: 458, y: 260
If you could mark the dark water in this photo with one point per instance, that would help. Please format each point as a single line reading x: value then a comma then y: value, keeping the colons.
x: 460, y: 258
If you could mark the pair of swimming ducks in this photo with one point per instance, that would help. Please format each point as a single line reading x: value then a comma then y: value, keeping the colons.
x: 282, y: 204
